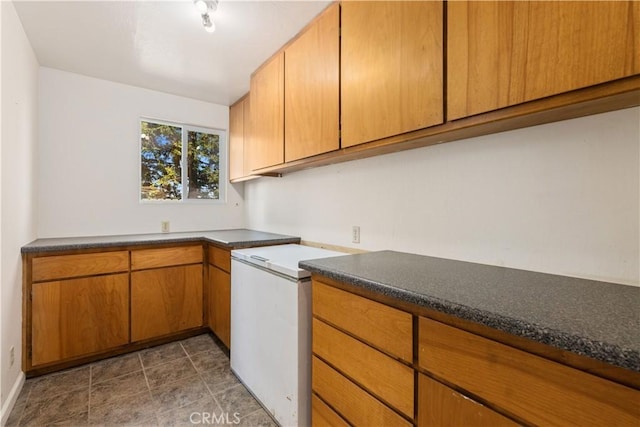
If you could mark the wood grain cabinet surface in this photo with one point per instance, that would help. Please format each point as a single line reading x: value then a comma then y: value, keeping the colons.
x: 391, y: 68
x: 537, y: 390
x: 266, y: 145
x: 441, y: 406
x: 78, y: 317
x: 239, y: 135
x: 455, y: 377
x: 357, y: 368
x: 165, y: 301
x: 219, y: 293
x: 502, y: 53
x: 312, y: 88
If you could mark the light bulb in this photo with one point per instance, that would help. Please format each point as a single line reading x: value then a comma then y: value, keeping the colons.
x: 201, y: 6
x: 209, y: 26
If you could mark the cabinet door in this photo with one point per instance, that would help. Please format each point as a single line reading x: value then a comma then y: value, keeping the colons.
x: 312, y: 64
x: 267, y: 114
x: 236, y: 140
x: 165, y: 300
x: 79, y: 317
x: 220, y: 304
x: 391, y: 68
x: 505, y: 53
x: 440, y: 406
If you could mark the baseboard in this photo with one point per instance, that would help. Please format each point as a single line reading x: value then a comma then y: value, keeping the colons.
x: 11, y: 399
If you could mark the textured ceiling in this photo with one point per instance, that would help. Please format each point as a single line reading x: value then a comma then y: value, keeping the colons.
x: 162, y: 45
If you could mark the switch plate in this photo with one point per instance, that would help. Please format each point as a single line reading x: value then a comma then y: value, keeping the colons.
x: 12, y: 356
x: 355, y: 234
x: 165, y: 226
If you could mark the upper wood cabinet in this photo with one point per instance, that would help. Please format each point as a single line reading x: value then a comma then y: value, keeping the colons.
x: 236, y: 139
x: 391, y: 68
x: 266, y: 145
x: 312, y: 88
x: 504, y: 53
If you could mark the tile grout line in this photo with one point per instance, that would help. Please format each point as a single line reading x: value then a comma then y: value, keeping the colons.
x: 203, y: 380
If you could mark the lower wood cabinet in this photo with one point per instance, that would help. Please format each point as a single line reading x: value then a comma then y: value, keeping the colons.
x: 362, y: 374
x: 78, y: 317
x: 220, y: 304
x: 441, y: 406
x: 358, y: 346
x: 532, y: 388
x: 219, y: 293
x: 165, y: 301
x: 83, y: 305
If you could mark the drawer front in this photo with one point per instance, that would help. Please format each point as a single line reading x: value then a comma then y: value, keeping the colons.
x: 386, y: 328
x: 357, y: 406
x: 67, y: 266
x: 438, y: 405
x: 165, y: 257
x: 323, y: 416
x: 221, y: 258
x: 386, y: 378
x: 530, y: 387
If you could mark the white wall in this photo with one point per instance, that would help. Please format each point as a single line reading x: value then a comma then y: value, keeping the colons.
x: 89, y: 159
x: 560, y: 198
x: 17, y: 172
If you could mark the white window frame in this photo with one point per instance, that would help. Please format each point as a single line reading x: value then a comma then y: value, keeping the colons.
x: 222, y: 157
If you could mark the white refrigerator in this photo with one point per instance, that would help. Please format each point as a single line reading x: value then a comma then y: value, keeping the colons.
x: 271, y: 328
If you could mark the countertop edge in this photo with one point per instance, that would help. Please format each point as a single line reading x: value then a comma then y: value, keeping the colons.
x: 583, y: 346
x: 168, y: 240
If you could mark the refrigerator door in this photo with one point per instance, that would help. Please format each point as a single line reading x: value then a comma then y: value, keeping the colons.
x: 283, y: 258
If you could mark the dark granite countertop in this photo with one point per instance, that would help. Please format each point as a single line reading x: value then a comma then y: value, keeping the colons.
x: 594, y: 319
x: 237, y: 238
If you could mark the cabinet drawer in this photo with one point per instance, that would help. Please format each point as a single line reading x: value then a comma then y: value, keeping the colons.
x: 386, y: 328
x: 357, y: 406
x: 322, y: 415
x: 67, y: 266
x: 438, y: 405
x: 533, y: 388
x: 384, y: 377
x: 221, y: 258
x: 165, y: 257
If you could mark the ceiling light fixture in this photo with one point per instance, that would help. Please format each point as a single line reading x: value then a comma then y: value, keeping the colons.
x: 206, y: 9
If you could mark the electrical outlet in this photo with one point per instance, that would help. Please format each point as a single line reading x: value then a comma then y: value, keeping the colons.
x: 12, y: 356
x: 164, y: 226
x: 355, y: 234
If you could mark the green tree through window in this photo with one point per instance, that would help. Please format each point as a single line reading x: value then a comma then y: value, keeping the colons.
x: 163, y: 146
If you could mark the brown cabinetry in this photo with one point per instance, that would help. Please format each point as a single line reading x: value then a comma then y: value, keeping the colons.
x: 503, y: 53
x: 441, y: 406
x: 266, y: 144
x: 366, y: 384
x: 219, y: 293
x: 391, y: 68
x: 312, y: 86
x: 80, y: 316
x: 80, y: 305
x: 239, y: 139
x: 361, y: 375
x: 534, y: 389
x: 166, y: 291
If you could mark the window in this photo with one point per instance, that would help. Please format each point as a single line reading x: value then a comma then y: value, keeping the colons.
x: 181, y: 162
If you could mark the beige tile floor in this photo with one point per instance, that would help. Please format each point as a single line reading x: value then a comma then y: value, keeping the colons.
x: 178, y: 384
